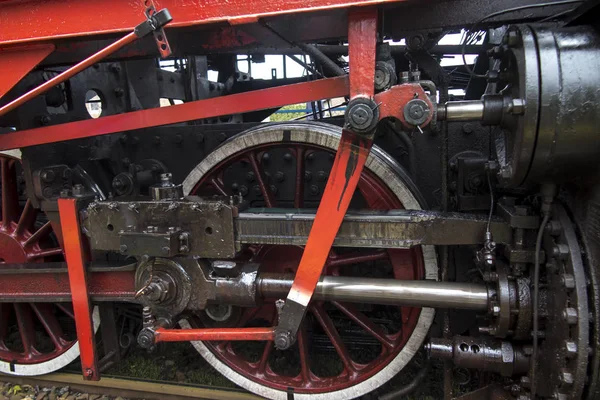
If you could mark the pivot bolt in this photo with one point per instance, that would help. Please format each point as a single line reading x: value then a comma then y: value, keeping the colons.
x: 146, y: 338
x: 416, y: 112
x: 362, y: 115
x: 283, y: 340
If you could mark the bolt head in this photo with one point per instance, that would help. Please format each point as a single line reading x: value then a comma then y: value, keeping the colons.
x: 570, y: 348
x: 518, y: 106
x: 568, y: 281
x: 123, y: 248
x: 496, y: 310
x: 566, y: 378
x: 283, y: 340
x: 570, y: 315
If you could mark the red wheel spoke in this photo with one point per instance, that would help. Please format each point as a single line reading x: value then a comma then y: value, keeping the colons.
x: 27, y: 218
x: 303, y: 349
x: 356, y: 258
x: 334, y: 336
x: 364, y: 322
x: 264, y: 359
x: 264, y: 188
x: 46, y: 253
x: 26, y: 329
x: 299, y: 192
x: 44, y: 230
x: 218, y: 185
x: 46, y: 316
x: 10, y: 196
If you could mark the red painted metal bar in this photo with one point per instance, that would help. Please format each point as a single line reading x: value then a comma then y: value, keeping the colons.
x: 200, y: 109
x: 41, y: 286
x: 58, y: 79
x: 191, y: 335
x: 27, y: 21
x: 17, y: 62
x: 362, y: 42
x: 350, y: 159
x: 69, y: 220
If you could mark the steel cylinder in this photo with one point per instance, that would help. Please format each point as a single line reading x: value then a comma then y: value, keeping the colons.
x: 466, y: 296
x: 469, y: 110
x: 481, y: 353
x: 554, y: 137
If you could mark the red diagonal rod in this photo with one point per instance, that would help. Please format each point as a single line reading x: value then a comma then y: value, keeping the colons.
x: 74, y: 254
x: 69, y: 73
x: 205, y: 334
x: 199, y: 109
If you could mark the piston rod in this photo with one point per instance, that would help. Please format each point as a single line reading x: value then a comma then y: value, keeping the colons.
x: 468, y: 110
x: 418, y: 293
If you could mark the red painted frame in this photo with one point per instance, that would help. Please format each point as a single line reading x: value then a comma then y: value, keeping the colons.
x: 27, y: 21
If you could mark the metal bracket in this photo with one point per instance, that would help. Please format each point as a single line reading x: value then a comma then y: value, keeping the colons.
x: 154, y: 23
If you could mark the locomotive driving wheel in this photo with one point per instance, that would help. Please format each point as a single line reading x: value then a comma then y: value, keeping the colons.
x: 343, y: 350
x: 35, y: 338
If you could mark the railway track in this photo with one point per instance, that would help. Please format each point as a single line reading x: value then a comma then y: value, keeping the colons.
x: 131, y: 388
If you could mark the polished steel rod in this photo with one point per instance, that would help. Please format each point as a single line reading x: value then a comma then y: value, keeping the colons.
x: 423, y: 293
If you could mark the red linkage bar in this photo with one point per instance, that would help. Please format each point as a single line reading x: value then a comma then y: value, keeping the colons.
x: 362, y: 44
x: 200, y: 109
x: 350, y: 159
x: 187, y: 335
x: 69, y: 220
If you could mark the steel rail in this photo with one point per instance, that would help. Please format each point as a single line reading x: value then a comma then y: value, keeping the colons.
x: 130, y: 388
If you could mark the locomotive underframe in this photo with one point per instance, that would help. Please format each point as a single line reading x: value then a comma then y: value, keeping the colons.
x: 150, y: 231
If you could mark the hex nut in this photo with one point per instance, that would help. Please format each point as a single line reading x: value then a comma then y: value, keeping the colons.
x: 570, y: 315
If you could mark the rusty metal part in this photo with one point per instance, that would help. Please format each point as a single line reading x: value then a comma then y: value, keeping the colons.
x: 390, y: 229
x: 193, y: 226
x: 484, y: 354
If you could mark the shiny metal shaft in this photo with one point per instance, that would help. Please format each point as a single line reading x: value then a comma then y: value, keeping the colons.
x: 470, y: 110
x: 466, y: 296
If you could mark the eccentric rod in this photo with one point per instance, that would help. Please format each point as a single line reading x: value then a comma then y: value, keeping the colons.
x: 421, y: 293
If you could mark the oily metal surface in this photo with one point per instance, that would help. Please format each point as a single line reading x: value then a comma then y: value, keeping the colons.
x: 389, y: 229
